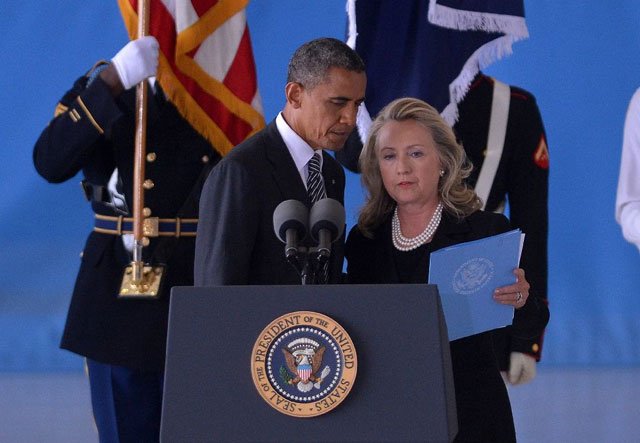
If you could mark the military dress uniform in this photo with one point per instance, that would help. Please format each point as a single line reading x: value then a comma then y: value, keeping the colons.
x: 94, y: 132
x: 521, y: 178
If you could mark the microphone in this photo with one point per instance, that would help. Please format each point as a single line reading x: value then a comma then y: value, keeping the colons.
x: 326, y: 219
x: 290, y: 223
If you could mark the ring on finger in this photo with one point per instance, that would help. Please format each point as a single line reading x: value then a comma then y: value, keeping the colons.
x: 518, y: 297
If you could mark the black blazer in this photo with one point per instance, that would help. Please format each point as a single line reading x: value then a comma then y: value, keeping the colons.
x: 484, y: 412
x: 371, y: 261
x: 236, y: 242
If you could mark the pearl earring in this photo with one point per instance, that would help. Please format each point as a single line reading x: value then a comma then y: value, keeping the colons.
x: 441, y: 172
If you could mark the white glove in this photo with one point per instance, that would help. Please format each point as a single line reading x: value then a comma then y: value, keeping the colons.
x: 137, y: 60
x: 522, y: 368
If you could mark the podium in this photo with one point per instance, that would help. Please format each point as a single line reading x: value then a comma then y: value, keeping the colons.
x: 403, y: 389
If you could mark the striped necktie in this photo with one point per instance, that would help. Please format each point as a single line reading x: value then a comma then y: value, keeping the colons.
x: 315, y: 183
x: 315, y: 188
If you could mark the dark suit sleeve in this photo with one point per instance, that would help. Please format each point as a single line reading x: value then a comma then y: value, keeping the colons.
x: 359, y: 252
x: 529, y: 321
x: 83, y: 118
x: 227, y: 228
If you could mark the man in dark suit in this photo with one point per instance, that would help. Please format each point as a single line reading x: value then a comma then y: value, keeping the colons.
x: 236, y: 243
x: 93, y: 131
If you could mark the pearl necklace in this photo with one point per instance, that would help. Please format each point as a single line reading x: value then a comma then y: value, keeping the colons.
x: 403, y: 243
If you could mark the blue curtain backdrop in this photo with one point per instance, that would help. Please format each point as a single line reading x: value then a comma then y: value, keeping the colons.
x: 580, y: 61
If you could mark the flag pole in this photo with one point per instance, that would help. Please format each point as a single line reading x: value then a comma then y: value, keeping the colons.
x: 139, y: 154
x: 140, y: 281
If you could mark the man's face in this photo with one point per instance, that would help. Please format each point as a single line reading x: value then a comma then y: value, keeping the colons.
x: 325, y: 115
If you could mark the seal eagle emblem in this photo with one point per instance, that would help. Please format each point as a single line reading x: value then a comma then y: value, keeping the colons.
x: 304, y: 359
x: 472, y: 275
x: 304, y: 364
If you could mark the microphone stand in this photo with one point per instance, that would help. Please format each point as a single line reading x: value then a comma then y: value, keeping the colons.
x: 303, y: 267
x: 307, y: 276
x: 315, y: 259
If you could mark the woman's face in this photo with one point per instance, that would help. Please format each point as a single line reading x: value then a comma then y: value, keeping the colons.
x: 409, y: 163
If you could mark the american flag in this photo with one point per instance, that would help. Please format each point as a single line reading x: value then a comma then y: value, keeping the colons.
x: 206, y: 65
x: 429, y: 49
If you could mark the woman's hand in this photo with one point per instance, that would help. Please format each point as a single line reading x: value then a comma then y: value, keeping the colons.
x: 516, y: 294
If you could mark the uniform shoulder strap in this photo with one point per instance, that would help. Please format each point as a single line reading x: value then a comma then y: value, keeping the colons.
x: 495, y: 139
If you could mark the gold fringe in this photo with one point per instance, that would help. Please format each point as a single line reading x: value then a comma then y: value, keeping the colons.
x: 175, y: 91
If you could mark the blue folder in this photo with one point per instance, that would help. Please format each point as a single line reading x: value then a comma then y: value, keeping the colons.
x: 467, y: 274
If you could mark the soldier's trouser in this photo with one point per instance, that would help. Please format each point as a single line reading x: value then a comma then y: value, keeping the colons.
x: 126, y: 403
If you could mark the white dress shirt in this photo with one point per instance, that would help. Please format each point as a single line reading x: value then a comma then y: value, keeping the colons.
x: 299, y: 149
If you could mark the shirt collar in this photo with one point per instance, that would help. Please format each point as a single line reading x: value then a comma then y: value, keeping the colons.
x: 299, y: 149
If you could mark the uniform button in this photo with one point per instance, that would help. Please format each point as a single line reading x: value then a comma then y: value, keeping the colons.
x: 535, y: 347
x: 146, y: 212
x: 148, y: 184
x: 145, y: 241
x: 205, y: 159
x: 151, y: 157
x: 81, y: 254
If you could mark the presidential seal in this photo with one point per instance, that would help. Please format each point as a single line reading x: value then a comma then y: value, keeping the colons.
x: 472, y: 275
x: 304, y: 364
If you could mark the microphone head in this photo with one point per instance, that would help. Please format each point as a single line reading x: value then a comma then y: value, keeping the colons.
x: 290, y: 214
x: 327, y: 214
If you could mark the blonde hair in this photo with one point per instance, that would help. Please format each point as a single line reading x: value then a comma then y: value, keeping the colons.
x: 457, y: 197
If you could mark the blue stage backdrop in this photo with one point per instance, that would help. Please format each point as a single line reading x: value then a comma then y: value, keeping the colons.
x: 579, y: 62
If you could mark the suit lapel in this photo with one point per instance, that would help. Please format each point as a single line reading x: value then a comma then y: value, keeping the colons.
x: 449, y: 232
x: 386, y: 260
x: 331, y: 182
x: 284, y: 171
x: 286, y: 175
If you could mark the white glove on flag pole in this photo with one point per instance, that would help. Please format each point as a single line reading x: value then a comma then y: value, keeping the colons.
x: 136, y: 61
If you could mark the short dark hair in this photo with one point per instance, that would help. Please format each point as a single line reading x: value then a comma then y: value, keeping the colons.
x: 311, y: 61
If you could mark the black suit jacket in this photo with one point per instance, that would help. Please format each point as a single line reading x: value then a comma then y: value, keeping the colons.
x: 484, y: 412
x: 236, y: 242
x: 372, y: 261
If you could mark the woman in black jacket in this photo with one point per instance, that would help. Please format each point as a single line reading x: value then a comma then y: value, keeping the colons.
x: 417, y: 203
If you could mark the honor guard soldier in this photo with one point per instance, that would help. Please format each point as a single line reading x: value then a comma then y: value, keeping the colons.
x: 503, y: 135
x: 123, y: 338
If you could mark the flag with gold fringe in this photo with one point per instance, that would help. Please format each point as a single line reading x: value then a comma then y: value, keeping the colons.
x: 206, y: 65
